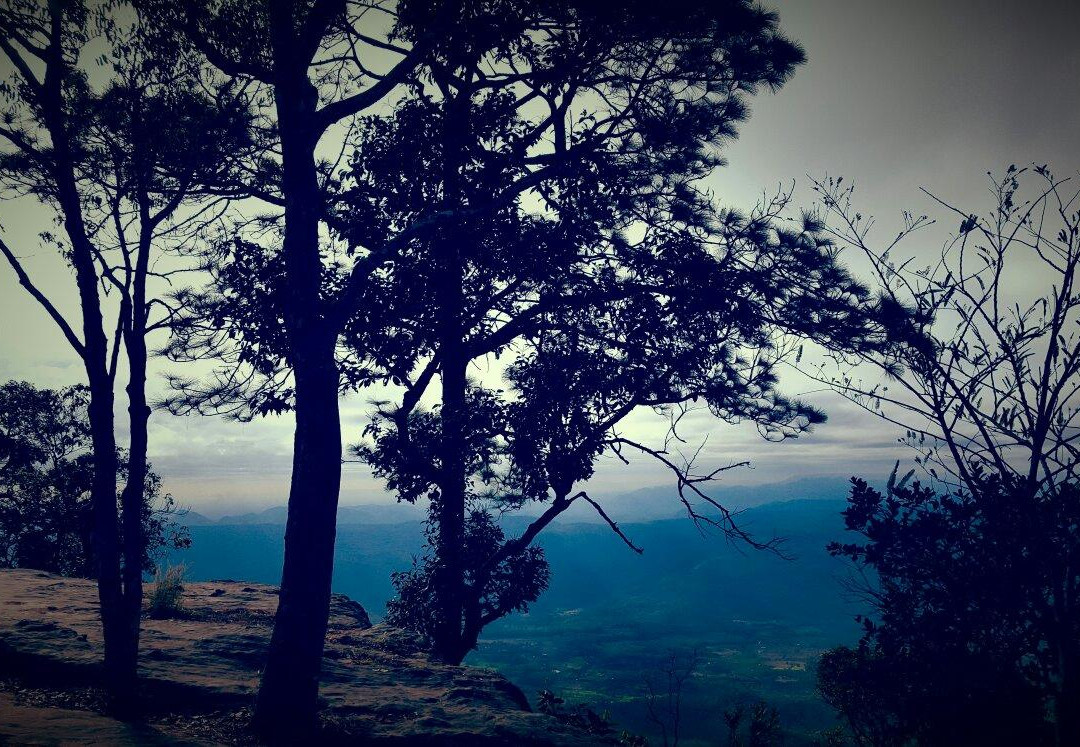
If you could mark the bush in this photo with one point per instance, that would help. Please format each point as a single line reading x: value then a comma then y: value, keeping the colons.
x: 166, y: 598
x: 971, y: 591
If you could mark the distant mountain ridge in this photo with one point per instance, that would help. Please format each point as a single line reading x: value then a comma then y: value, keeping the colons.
x: 653, y: 503
x: 588, y: 561
x: 376, y: 513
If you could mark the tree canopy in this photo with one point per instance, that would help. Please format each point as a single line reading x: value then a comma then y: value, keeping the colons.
x: 46, y: 472
x: 533, y: 198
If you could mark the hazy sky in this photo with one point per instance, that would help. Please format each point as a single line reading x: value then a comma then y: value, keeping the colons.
x: 896, y: 95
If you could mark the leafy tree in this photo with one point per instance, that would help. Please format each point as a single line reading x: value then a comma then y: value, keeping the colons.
x: 508, y: 586
x: 279, y: 325
x: 964, y: 646
x: 607, y: 88
x: 305, y: 68
x: 114, y: 150
x: 46, y: 475
x: 604, y: 299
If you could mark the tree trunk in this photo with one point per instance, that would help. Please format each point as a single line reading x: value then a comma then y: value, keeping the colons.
x: 472, y: 625
x: 120, y: 665
x: 131, y: 508
x: 449, y: 576
x: 287, y: 705
x: 473, y: 619
x: 120, y: 672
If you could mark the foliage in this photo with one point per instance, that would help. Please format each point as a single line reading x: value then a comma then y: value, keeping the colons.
x: 531, y: 195
x: 593, y: 293
x: 975, y: 583
x: 973, y: 640
x: 46, y: 518
x: 512, y: 584
x: 762, y: 727
x: 127, y: 148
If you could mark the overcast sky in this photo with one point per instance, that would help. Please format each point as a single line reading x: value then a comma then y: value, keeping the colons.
x: 896, y: 96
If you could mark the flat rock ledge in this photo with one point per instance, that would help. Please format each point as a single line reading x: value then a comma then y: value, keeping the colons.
x: 199, y: 672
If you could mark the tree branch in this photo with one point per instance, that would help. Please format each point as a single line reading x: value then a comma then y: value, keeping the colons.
x: 27, y: 283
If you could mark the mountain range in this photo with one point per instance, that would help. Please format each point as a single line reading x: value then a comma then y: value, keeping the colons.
x: 644, y: 504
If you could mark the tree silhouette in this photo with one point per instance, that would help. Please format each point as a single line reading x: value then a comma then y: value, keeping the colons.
x: 625, y: 289
x: 982, y: 377
x: 638, y: 91
x: 499, y: 583
x: 661, y: 340
x: 500, y: 197
x: 304, y: 68
x: 609, y: 155
x: 116, y: 161
x: 46, y: 473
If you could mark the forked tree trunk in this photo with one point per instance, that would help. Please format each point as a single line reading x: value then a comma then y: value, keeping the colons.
x: 120, y: 666
x: 474, y: 622
x: 119, y: 610
x: 471, y: 627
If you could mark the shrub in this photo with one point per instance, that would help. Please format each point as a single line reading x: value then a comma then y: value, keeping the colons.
x: 166, y: 599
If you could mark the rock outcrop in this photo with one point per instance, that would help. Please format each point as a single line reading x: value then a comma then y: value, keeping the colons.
x: 200, y: 669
